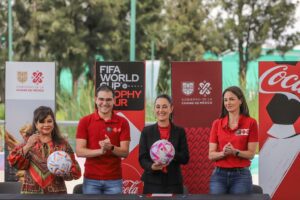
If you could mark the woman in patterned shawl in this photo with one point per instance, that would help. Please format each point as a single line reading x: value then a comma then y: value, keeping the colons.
x: 32, y: 155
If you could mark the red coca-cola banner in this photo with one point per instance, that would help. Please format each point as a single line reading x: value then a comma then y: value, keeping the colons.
x: 197, y: 95
x: 128, y: 81
x: 279, y: 129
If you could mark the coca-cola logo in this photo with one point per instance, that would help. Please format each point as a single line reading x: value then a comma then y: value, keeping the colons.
x: 132, y: 183
x: 281, y: 79
x: 131, y: 187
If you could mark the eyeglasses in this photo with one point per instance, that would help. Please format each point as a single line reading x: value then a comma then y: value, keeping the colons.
x: 105, y: 99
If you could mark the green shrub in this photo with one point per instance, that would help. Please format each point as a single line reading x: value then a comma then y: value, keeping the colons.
x: 72, y: 108
x: 2, y: 111
x: 149, y: 112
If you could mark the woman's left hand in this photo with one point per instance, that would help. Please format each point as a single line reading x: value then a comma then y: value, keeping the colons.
x: 229, y: 149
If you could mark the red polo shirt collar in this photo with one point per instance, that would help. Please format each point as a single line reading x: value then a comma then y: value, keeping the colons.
x: 113, y: 119
x: 226, y: 119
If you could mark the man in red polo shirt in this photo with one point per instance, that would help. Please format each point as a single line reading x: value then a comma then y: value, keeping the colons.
x: 103, y: 138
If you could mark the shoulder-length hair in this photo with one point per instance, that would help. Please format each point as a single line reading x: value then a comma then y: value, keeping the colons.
x: 39, y: 115
x: 244, y: 110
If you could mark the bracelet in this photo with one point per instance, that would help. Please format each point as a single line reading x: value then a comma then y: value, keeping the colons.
x: 112, y: 148
x: 237, y: 153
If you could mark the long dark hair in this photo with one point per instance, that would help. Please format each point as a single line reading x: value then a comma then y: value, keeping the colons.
x: 240, y: 95
x: 39, y: 115
x: 169, y: 99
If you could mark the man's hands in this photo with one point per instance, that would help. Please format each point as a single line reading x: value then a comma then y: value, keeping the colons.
x: 105, y: 145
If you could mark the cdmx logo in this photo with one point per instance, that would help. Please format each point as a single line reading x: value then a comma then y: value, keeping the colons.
x: 205, y: 88
x: 37, y: 77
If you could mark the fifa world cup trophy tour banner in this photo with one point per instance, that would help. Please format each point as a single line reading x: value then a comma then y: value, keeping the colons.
x: 128, y: 81
x: 197, y: 95
x: 279, y: 129
x: 28, y: 85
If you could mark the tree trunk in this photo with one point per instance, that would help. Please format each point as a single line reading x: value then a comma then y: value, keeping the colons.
x: 242, y: 75
x: 243, y: 66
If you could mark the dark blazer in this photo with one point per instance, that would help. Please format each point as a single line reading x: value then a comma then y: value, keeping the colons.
x: 149, y: 135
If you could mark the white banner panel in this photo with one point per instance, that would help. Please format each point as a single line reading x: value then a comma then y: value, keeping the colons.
x: 28, y: 85
x: 30, y: 80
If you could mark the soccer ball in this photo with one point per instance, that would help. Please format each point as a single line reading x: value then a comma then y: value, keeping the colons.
x: 162, y: 152
x: 59, y: 163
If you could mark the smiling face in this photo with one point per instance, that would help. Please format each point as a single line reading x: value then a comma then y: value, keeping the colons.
x: 104, y: 101
x: 231, y: 102
x: 45, y: 127
x: 162, y: 109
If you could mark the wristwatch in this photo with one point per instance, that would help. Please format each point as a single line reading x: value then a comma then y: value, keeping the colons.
x: 112, y: 147
x: 237, y: 153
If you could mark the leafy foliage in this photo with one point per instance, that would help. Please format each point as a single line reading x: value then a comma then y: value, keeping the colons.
x: 248, y: 24
x: 187, y: 33
x: 73, y: 33
x: 72, y: 107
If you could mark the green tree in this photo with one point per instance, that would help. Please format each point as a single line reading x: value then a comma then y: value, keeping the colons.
x: 187, y: 34
x: 107, y: 31
x: 248, y: 24
x: 29, y: 42
x: 65, y: 36
x: 44, y: 31
x: 148, y: 26
x: 69, y: 33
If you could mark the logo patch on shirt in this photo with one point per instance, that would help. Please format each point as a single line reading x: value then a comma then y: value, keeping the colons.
x: 241, y: 132
x: 108, y: 129
x: 116, y: 130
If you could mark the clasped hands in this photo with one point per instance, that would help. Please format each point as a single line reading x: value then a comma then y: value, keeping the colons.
x: 228, y: 149
x: 105, y: 145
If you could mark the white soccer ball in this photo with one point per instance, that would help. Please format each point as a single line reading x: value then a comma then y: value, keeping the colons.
x: 59, y: 163
x: 162, y: 152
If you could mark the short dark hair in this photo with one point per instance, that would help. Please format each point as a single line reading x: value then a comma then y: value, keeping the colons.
x: 105, y: 88
x: 240, y: 95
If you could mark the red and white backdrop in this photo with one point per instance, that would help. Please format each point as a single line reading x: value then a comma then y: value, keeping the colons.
x: 197, y: 92
x: 28, y: 85
x: 279, y: 129
x: 128, y: 81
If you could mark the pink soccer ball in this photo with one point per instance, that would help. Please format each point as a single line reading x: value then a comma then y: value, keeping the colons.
x: 59, y: 163
x: 162, y: 152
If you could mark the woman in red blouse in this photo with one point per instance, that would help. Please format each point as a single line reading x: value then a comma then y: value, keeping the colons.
x: 32, y: 155
x: 232, y: 144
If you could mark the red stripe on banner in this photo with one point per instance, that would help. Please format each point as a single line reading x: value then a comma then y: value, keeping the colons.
x: 197, y: 91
